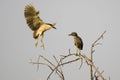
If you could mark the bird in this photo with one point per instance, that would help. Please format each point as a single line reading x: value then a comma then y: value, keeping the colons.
x: 77, y: 42
x: 36, y: 24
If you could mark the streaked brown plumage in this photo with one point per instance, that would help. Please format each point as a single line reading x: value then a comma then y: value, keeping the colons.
x: 35, y: 23
x: 77, y: 40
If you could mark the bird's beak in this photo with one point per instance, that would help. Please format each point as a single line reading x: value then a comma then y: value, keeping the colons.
x: 69, y: 35
x: 54, y: 25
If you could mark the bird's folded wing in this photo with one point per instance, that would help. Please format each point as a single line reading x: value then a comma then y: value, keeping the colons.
x: 32, y: 18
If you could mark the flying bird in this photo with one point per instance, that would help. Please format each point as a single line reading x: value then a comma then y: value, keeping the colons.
x: 36, y: 24
x: 77, y: 41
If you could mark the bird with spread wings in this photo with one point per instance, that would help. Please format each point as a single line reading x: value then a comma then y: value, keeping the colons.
x: 36, y: 24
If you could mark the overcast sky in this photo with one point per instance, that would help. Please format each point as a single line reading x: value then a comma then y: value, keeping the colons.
x: 89, y: 18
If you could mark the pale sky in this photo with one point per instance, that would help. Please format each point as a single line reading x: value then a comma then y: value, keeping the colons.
x: 89, y: 18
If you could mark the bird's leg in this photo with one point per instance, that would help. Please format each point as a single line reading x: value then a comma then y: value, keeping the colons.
x: 78, y: 52
x: 42, y: 41
x: 36, y: 43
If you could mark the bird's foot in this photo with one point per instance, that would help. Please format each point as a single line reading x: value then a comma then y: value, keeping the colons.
x: 36, y: 44
x: 43, y: 47
x: 78, y: 54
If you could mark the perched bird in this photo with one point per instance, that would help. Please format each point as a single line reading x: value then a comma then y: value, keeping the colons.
x: 36, y: 24
x: 77, y: 41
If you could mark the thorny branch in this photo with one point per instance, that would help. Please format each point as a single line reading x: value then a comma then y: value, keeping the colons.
x: 60, y: 62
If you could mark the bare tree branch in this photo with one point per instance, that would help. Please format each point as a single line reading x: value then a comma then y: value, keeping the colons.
x: 49, y: 64
x: 61, y: 62
x: 81, y: 64
x: 95, y: 43
x: 62, y: 76
x: 100, y: 37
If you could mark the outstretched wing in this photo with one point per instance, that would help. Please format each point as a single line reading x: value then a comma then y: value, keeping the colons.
x: 32, y: 17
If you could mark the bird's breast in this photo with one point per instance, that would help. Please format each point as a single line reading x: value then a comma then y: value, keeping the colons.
x: 43, y: 28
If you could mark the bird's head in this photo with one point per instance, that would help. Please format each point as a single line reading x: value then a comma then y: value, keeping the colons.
x: 73, y: 34
x: 52, y: 25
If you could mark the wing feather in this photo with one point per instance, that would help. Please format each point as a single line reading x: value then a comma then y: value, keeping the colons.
x: 32, y: 17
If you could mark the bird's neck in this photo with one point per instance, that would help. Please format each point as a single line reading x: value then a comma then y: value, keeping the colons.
x: 75, y: 37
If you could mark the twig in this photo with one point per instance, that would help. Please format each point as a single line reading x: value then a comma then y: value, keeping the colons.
x: 101, y: 36
x: 81, y: 64
x: 86, y: 59
x: 48, y: 64
x: 62, y: 65
x: 42, y: 64
x: 47, y: 60
x: 95, y: 43
x: 38, y: 64
x: 69, y: 61
x: 60, y: 62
